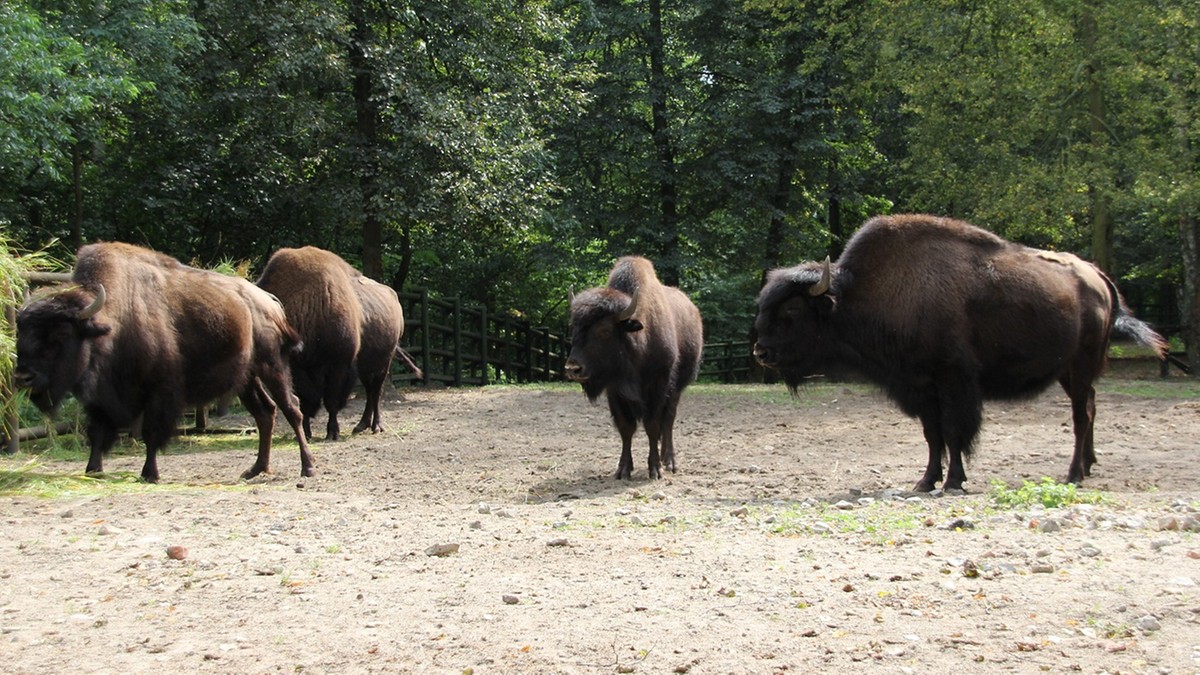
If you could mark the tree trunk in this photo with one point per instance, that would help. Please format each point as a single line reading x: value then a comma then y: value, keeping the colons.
x: 1098, y: 191
x: 77, y: 193
x: 1189, y: 236
x: 667, y: 190
x: 366, y: 140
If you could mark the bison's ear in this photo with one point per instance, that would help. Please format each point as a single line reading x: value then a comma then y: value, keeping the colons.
x: 91, y: 328
x: 825, y: 304
x: 630, y: 325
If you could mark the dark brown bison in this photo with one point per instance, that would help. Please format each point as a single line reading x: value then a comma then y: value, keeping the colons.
x: 382, y: 328
x: 138, y: 333
x: 640, y: 342
x: 942, y: 315
x: 317, y: 289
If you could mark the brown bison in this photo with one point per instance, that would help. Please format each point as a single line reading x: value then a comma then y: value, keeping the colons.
x: 138, y: 333
x: 640, y: 342
x: 382, y: 328
x: 942, y: 315
x: 317, y: 289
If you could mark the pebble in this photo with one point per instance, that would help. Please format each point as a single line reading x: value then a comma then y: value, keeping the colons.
x: 442, y: 550
x: 1042, y: 568
x: 1050, y: 525
x: 1147, y: 624
x: 740, y: 512
x: 107, y: 529
x: 510, y: 599
x: 1089, y: 551
x: 177, y: 552
x: 843, y: 505
x: 561, y: 541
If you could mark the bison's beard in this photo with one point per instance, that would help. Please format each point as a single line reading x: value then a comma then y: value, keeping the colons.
x: 46, y: 401
x: 592, y: 390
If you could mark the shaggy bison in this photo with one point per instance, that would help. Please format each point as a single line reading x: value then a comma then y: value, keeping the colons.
x: 942, y: 315
x: 317, y: 289
x: 138, y: 333
x: 640, y: 342
x: 382, y: 328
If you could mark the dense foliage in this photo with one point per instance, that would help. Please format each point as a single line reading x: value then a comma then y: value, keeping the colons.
x: 508, y: 151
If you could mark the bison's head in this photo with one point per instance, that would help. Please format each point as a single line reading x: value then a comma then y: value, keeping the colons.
x: 603, y: 324
x: 54, y: 336
x: 795, y: 308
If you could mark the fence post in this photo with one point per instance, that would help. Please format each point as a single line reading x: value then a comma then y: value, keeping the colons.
x: 456, y: 308
x: 527, y: 360
x: 426, y: 361
x: 483, y: 345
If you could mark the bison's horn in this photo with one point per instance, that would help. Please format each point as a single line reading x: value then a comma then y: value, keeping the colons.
x: 570, y: 297
x: 823, y: 285
x: 628, y: 313
x: 91, y: 310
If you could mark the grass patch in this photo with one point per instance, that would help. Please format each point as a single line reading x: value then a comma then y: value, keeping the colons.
x: 818, y: 391
x: 1048, y: 492
x: 1171, y: 388
x: 882, y: 521
x: 30, y: 478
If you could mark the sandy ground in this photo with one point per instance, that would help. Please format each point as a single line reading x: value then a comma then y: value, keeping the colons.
x: 482, y: 533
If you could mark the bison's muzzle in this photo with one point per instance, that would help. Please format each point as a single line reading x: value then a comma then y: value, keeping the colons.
x: 764, y: 356
x: 573, y: 370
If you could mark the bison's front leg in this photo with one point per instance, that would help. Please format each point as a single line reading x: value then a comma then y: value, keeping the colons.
x: 933, y: 468
x: 956, y: 475
x: 626, y: 424
x: 101, y: 436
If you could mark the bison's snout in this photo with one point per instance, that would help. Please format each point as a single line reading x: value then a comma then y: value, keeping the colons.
x: 23, y: 379
x: 764, y: 356
x: 574, y: 371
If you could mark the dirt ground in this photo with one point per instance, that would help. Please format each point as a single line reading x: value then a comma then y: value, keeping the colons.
x: 483, y: 533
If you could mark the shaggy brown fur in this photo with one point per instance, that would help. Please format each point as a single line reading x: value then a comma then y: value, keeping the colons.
x: 640, y: 342
x: 139, y: 333
x: 942, y: 315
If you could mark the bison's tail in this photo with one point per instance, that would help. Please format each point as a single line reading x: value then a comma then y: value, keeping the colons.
x: 1126, y: 325
x: 1139, y: 331
x: 410, y: 363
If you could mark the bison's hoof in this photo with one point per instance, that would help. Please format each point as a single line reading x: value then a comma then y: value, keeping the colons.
x: 309, y: 472
x: 623, y: 473
x: 252, y: 472
x: 923, y: 486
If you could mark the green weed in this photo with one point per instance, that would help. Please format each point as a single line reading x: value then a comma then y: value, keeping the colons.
x: 1048, y: 492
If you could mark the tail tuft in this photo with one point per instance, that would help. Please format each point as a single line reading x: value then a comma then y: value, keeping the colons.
x: 1139, y: 331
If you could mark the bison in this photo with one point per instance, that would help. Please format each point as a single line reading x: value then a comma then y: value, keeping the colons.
x: 317, y: 289
x: 381, y: 330
x: 138, y: 333
x: 640, y: 342
x: 942, y: 315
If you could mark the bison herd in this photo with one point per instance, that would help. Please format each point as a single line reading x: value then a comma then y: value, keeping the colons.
x: 938, y: 313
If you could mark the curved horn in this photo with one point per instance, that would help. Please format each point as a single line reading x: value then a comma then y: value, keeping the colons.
x: 570, y: 297
x: 91, y: 310
x: 628, y: 313
x: 823, y: 285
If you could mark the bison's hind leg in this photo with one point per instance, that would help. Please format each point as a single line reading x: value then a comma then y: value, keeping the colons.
x: 262, y: 408
x: 1083, y: 418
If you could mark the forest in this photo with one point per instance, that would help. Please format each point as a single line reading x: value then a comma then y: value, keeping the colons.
x: 507, y: 151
